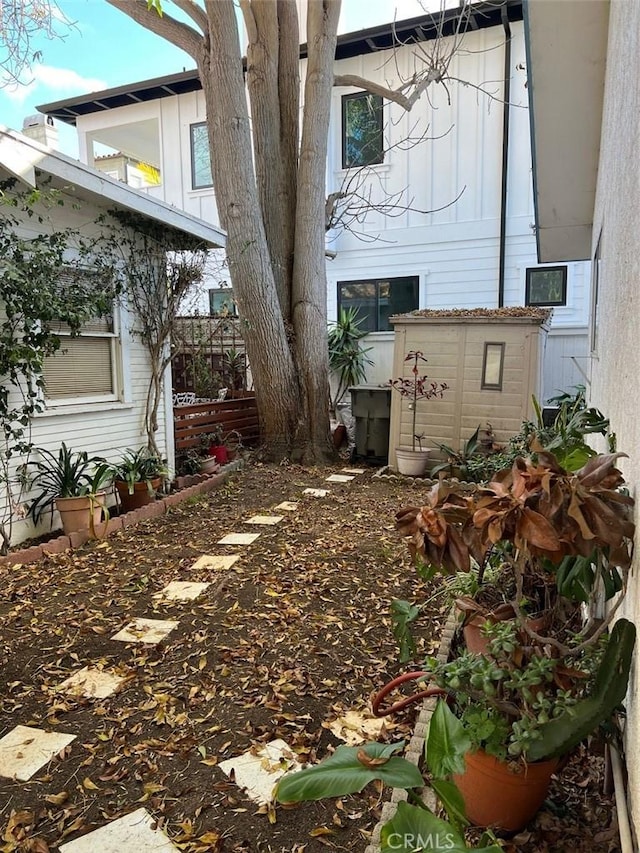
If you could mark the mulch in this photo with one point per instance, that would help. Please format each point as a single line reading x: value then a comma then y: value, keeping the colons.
x: 291, y: 637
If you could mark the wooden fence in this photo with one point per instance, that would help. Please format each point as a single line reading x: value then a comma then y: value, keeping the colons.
x: 208, y: 354
x: 238, y: 413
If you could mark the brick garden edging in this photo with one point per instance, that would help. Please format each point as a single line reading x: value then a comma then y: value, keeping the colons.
x: 188, y: 487
x: 415, y: 748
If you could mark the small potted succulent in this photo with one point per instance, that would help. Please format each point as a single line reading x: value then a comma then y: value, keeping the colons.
x: 138, y: 476
x: 73, y: 483
x: 413, y: 461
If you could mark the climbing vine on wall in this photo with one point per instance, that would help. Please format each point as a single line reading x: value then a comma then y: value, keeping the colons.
x: 35, y: 298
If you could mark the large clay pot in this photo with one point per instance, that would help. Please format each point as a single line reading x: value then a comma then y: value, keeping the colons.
x: 502, y: 795
x: 412, y: 463
x: 76, y: 513
x: 141, y: 495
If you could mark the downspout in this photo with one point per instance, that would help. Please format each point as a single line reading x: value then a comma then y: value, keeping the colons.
x: 505, y: 154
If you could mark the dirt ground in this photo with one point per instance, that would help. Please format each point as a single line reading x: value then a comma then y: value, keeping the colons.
x: 295, y: 634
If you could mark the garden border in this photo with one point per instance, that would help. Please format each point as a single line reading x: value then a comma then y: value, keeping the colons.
x: 415, y: 748
x: 188, y: 487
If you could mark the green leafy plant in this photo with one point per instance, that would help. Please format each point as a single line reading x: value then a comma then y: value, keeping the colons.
x: 457, y: 461
x: 348, y: 360
x: 140, y: 466
x: 416, y: 388
x: 414, y: 827
x: 44, y: 282
x: 67, y: 474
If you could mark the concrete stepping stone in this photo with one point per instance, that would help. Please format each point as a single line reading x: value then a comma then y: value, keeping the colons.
x: 259, y: 770
x: 150, y: 631
x: 182, y: 591
x: 213, y: 561
x: 238, y: 539
x: 132, y: 833
x: 316, y: 493
x: 92, y: 683
x: 25, y: 750
x: 354, y: 470
x: 340, y: 478
x: 264, y: 519
x: 288, y: 506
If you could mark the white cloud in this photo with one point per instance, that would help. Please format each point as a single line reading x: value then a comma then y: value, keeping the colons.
x: 58, y: 81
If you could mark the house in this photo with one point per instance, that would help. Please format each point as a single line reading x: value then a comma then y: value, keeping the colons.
x: 96, y: 385
x: 584, y: 69
x: 469, y: 168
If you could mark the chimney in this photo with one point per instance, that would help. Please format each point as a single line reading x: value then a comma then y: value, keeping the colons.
x: 42, y: 129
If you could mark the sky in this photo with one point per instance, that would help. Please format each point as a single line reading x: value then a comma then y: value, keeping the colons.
x: 103, y: 48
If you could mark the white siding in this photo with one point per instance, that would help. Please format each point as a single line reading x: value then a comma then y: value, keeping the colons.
x: 453, y: 250
x: 104, y: 429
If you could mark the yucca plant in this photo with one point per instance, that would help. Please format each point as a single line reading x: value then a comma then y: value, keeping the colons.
x: 348, y: 360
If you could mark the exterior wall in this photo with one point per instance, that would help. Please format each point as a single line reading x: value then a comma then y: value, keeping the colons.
x: 455, y: 350
x: 615, y: 366
x: 454, y: 250
x: 104, y: 429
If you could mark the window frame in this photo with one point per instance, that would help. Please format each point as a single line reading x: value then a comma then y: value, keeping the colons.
x: 561, y: 268
x: 114, y: 336
x: 233, y: 312
x: 492, y: 386
x: 414, y: 279
x: 345, y: 100
x: 192, y: 128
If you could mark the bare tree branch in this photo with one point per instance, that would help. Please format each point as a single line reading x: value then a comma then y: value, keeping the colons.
x: 179, y: 34
x: 20, y: 22
x: 195, y: 12
x: 249, y: 20
x: 395, y: 95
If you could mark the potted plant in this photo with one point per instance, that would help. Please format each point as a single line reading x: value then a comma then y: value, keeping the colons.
x: 206, y: 452
x: 138, y: 476
x: 72, y: 482
x: 412, y: 461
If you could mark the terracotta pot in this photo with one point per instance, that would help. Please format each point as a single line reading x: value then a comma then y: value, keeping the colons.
x: 75, y: 513
x: 474, y: 637
x: 498, y: 796
x: 209, y: 465
x: 140, y: 496
x: 412, y: 463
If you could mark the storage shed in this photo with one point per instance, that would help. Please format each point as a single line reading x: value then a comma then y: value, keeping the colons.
x: 491, y: 359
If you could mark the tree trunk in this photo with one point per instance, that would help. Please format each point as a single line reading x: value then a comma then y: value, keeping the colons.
x: 309, y: 300
x: 250, y: 267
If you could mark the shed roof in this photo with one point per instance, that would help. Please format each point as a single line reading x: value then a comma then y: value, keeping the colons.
x: 515, y: 313
x: 34, y: 165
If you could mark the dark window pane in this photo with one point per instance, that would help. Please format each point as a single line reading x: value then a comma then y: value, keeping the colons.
x: 362, y: 297
x: 546, y: 286
x: 396, y: 296
x: 361, y: 130
x: 200, y: 161
x: 377, y: 300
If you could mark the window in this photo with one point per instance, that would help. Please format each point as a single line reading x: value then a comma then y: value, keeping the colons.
x: 492, y: 366
x: 546, y: 286
x: 362, y: 143
x: 85, y: 367
x: 221, y: 302
x: 595, y: 293
x: 200, y: 161
x: 377, y: 300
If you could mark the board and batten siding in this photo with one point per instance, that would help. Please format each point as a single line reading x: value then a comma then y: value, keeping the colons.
x: 454, y: 349
x: 107, y: 428
x: 454, y: 250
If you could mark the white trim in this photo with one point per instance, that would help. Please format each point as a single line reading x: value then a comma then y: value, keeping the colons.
x: 84, y: 408
x: 21, y: 156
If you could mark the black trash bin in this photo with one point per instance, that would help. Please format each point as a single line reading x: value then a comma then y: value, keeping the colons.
x: 371, y: 409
